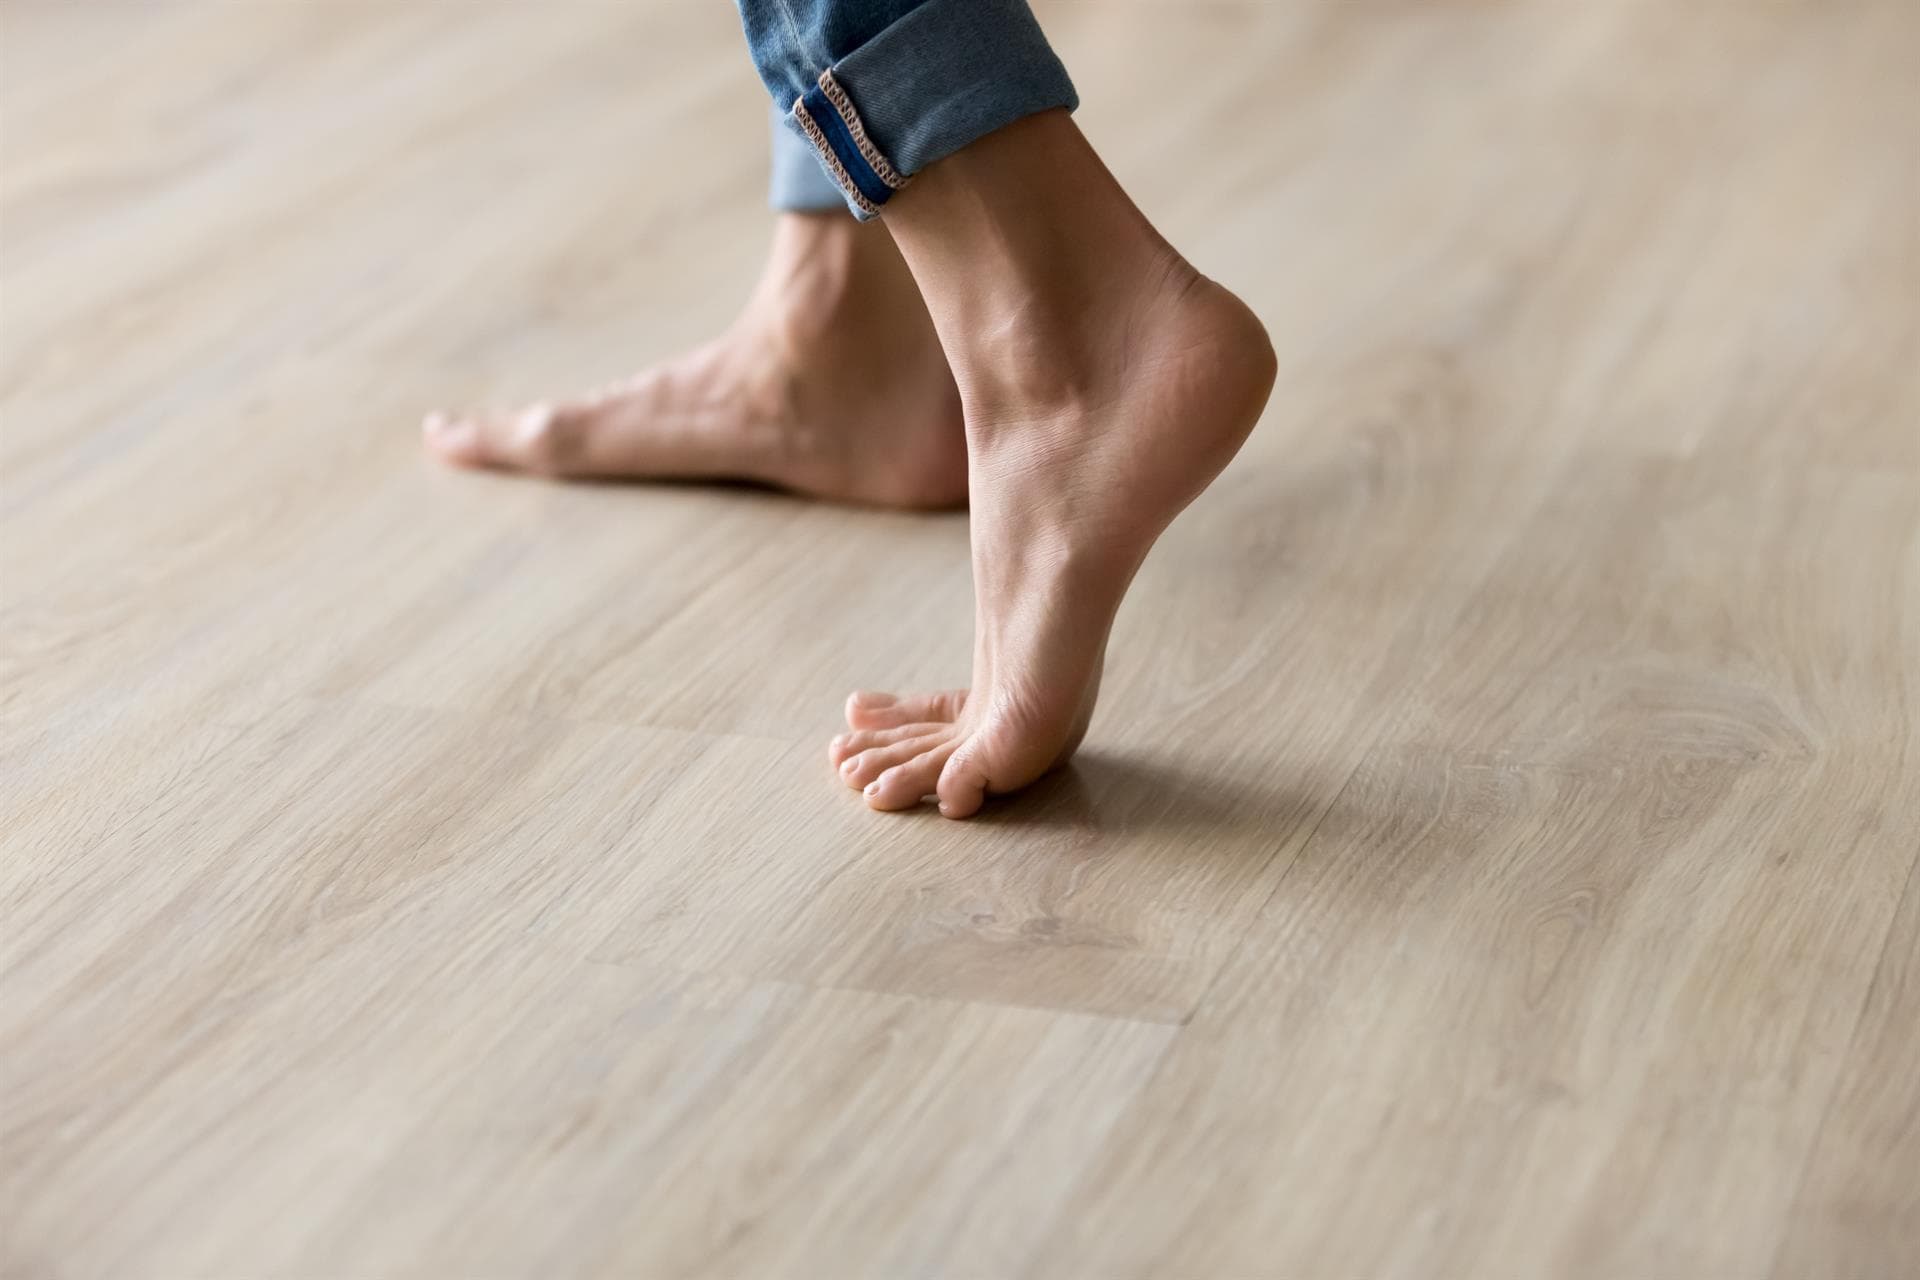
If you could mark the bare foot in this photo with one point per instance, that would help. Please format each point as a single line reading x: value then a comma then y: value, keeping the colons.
x: 1106, y: 383
x: 831, y: 383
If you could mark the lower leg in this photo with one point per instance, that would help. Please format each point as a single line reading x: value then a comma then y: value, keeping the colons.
x: 831, y: 382
x: 1105, y: 383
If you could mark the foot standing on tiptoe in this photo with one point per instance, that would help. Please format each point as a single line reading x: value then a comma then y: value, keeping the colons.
x: 1103, y: 382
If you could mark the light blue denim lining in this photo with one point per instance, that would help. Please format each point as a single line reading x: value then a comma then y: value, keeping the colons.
x: 797, y: 183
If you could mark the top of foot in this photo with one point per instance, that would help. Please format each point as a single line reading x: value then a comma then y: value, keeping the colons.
x: 831, y: 384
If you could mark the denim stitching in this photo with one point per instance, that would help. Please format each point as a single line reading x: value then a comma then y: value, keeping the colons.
x: 832, y: 161
x: 868, y: 152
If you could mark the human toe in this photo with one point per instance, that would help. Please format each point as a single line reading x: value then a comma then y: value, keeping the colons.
x: 846, y: 745
x: 862, y: 769
x: 905, y: 785
x: 872, y: 710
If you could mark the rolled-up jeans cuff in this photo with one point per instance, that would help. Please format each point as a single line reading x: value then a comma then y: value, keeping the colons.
x: 934, y: 80
x: 796, y: 183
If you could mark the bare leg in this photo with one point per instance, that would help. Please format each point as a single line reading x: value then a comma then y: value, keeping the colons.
x: 1105, y: 383
x: 830, y: 383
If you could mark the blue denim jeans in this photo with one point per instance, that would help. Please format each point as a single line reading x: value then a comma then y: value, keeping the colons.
x: 872, y: 91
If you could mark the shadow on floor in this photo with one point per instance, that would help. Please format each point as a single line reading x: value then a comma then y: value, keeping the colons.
x: 1100, y: 791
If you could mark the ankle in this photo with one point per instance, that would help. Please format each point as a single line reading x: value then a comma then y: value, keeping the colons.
x: 1052, y: 344
x: 825, y: 271
x: 1040, y: 272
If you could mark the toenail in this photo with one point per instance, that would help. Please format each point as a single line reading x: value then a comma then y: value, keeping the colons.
x: 452, y: 433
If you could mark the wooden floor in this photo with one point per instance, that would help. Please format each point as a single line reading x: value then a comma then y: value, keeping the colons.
x: 1495, y: 855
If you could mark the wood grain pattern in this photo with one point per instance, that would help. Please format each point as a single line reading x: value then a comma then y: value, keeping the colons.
x: 1497, y: 852
x: 1858, y: 1209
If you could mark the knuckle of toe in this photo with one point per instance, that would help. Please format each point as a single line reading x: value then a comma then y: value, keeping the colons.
x: 547, y: 439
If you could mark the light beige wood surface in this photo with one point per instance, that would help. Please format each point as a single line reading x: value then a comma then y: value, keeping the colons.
x: 1495, y: 854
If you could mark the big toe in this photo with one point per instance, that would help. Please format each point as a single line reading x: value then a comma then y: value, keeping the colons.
x: 452, y: 438
x: 962, y: 786
x: 535, y: 438
x: 870, y: 710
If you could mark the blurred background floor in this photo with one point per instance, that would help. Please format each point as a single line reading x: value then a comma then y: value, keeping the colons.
x: 1494, y: 855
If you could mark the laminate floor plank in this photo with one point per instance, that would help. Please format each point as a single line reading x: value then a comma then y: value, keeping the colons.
x: 1670, y: 830
x: 1494, y: 851
x: 1857, y: 1208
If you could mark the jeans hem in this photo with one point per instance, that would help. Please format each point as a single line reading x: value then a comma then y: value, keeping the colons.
x: 945, y: 74
x: 825, y: 115
x: 796, y: 181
